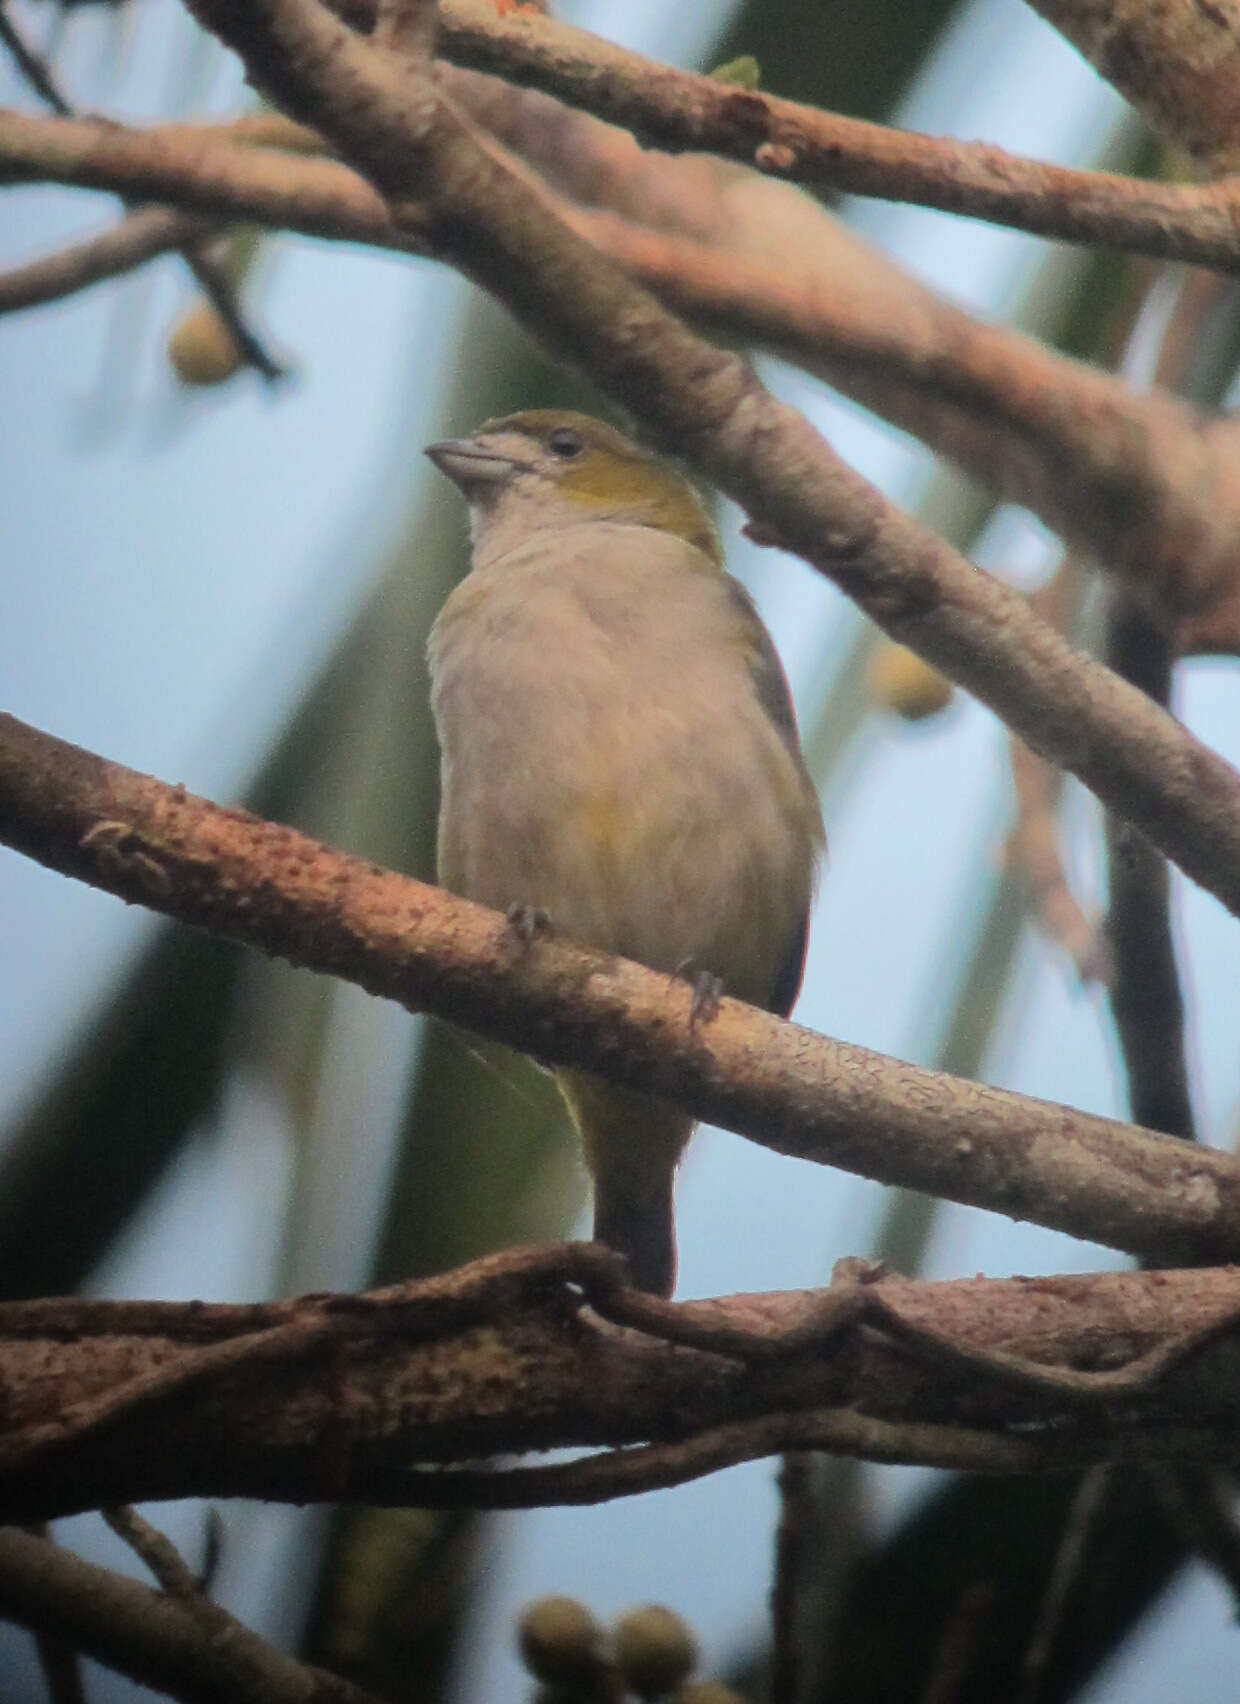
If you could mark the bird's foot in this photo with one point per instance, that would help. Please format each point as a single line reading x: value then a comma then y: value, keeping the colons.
x: 527, y: 921
x: 707, y: 992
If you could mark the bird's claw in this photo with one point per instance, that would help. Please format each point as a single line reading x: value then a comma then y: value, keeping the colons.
x: 707, y: 992
x: 528, y: 921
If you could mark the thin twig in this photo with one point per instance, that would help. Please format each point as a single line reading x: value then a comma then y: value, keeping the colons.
x: 1065, y: 1571
x: 651, y: 1467
x: 1146, y: 1000
x: 33, y: 67
x: 959, y: 1646
x: 1202, y: 1503
x: 140, y: 236
x: 60, y: 1662
x: 1033, y: 843
x: 195, y: 1652
x: 220, y: 291
x: 155, y: 1549
x: 62, y: 1668
x: 212, y: 277
x: 791, y: 1554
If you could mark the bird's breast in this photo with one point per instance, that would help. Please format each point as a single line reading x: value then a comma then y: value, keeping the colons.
x: 613, y: 767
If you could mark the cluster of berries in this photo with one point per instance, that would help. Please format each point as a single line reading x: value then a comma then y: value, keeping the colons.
x: 647, y: 1652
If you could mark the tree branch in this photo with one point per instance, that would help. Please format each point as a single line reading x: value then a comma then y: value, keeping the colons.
x: 333, y: 1397
x: 1146, y: 1001
x: 31, y: 65
x: 139, y: 237
x: 191, y: 1651
x: 1120, y: 474
x: 794, y: 1091
x: 677, y: 110
x: 211, y: 277
x: 710, y: 407
x: 1142, y: 480
x: 407, y: 26
x: 1177, y: 62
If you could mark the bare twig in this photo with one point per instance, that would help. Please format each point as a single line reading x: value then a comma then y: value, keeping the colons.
x: 155, y: 1549
x: 198, y: 1653
x: 791, y: 1555
x: 1202, y: 1503
x: 59, y: 1660
x: 140, y: 236
x: 654, y: 1467
x: 218, y: 288
x: 796, y: 1092
x: 1065, y: 1572
x: 212, y: 278
x: 1146, y: 1001
x: 32, y: 66
x: 62, y: 1669
x: 679, y: 111
x: 959, y: 1646
x: 1033, y: 843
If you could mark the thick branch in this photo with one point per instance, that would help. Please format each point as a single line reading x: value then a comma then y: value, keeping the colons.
x: 1178, y: 62
x: 1144, y: 481
x: 794, y: 1091
x: 332, y: 1397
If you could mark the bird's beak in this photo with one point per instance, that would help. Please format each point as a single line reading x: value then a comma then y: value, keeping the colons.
x: 468, y: 462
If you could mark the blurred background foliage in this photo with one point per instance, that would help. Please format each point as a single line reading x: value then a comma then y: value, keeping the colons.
x: 357, y: 1145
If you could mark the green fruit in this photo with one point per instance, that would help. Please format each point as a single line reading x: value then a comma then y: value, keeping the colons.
x: 653, y: 1649
x: 560, y: 1641
x: 902, y: 681
x: 201, y: 348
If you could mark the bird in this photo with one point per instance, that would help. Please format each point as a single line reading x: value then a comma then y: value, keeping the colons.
x: 619, y: 758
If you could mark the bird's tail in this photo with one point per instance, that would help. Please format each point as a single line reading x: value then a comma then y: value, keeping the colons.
x: 632, y: 1144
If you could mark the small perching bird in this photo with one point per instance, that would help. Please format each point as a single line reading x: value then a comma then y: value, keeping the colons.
x: 619, y: 753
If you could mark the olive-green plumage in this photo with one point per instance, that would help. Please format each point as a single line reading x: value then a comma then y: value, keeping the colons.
x: 619, y: 751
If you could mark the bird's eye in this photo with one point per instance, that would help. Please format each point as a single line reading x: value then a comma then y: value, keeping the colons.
x: 565, y: 442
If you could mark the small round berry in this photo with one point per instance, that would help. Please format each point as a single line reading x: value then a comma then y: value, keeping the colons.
x: 902, y: 681
x: 560, y: 1641
x: 653, y: 1649
x: 201, y: 348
